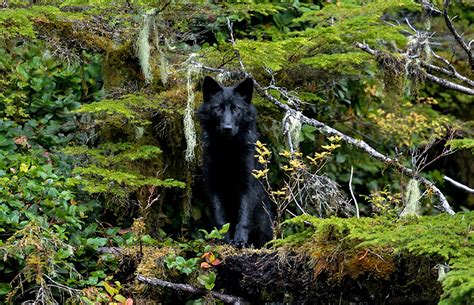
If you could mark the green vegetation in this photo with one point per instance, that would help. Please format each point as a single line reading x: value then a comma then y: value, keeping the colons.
x: 442, y: 238
x: 96, y: 97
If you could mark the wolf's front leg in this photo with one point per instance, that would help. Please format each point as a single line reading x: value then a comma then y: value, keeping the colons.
x: 244, y: 223
x: 218, y: 213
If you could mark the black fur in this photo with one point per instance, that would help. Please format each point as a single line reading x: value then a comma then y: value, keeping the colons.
x: 229, y: 135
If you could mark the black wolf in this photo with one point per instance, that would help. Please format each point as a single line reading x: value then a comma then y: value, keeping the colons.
x: 229, y: 135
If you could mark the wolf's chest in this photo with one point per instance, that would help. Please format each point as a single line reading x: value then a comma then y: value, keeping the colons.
x: 230, y: 171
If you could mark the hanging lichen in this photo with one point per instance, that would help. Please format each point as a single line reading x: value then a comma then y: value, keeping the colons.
x: 412, y: 199
x: 292, y: 130
x: 143, y: 46
x: 164, y: 65
x: 224, y: 76
x: 189, y: 131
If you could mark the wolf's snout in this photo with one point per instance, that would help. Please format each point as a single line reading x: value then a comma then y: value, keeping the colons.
x: 227, y: 128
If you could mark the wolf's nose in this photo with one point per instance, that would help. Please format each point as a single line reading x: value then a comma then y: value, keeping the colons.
x: 227, y: 128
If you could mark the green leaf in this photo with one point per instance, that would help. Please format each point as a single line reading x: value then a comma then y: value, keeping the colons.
x: 225, y: 228
x: 5, y: 288
x: 120, y: 298
x: 97, y: 242
x: 207, y: 280
x: 147, y: 239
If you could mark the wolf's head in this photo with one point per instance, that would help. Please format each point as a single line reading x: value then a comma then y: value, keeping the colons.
x: 226, y: 111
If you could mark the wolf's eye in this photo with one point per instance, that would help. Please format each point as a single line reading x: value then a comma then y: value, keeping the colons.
x: 235, y: 109
x: 217, y: 108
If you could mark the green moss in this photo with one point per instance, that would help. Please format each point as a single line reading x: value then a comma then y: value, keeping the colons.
x: 441, y: 238
x: 23, y: 22
x: 461, y: 144
x: 352, y: 61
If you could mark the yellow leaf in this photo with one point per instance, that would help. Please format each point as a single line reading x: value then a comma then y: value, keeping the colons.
x: 111, y: 290
x: 285, y: 154
x: 23, y: 167
x: 331, y: 147
x: 259, y: 173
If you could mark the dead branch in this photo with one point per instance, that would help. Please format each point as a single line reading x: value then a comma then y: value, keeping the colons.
x: 451, y: 72
x: 456, y: 35
x: 420, y: 158
x: 191, y: 289
x: 448, y: 84
x: 443, y: 82
x: 459, y: 185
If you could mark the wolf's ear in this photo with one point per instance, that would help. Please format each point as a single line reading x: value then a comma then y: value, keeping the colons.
x: 245, y: 89
x: 209, y: 88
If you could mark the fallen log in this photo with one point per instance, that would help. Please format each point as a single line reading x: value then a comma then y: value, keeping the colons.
x: 191, y: 289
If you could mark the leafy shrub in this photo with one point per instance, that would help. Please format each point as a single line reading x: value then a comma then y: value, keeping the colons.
x: 45, y: 239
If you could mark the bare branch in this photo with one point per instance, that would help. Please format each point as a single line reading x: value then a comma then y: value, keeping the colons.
x: 456, y: 35
x: 449, y: 85
x: 420, y: 158
x: 352, y: 193
x: 191, y: 289
x: 232, y: 40
x: 451, y: 72
x: 459, y: 185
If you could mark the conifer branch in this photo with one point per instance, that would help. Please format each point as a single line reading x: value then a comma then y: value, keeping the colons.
x: 227, y: 298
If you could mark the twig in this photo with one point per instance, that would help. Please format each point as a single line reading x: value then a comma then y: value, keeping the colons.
x: 420, y: 160
x: 191, y: 289
x: 456, y: 35
x: 232, y: 40
x: 352, y: 193
x: 429, y: 7
x: 459, y: 185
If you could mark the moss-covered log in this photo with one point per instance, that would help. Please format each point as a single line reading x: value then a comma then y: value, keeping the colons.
x: 323, y: 261
x: 292, y: 277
